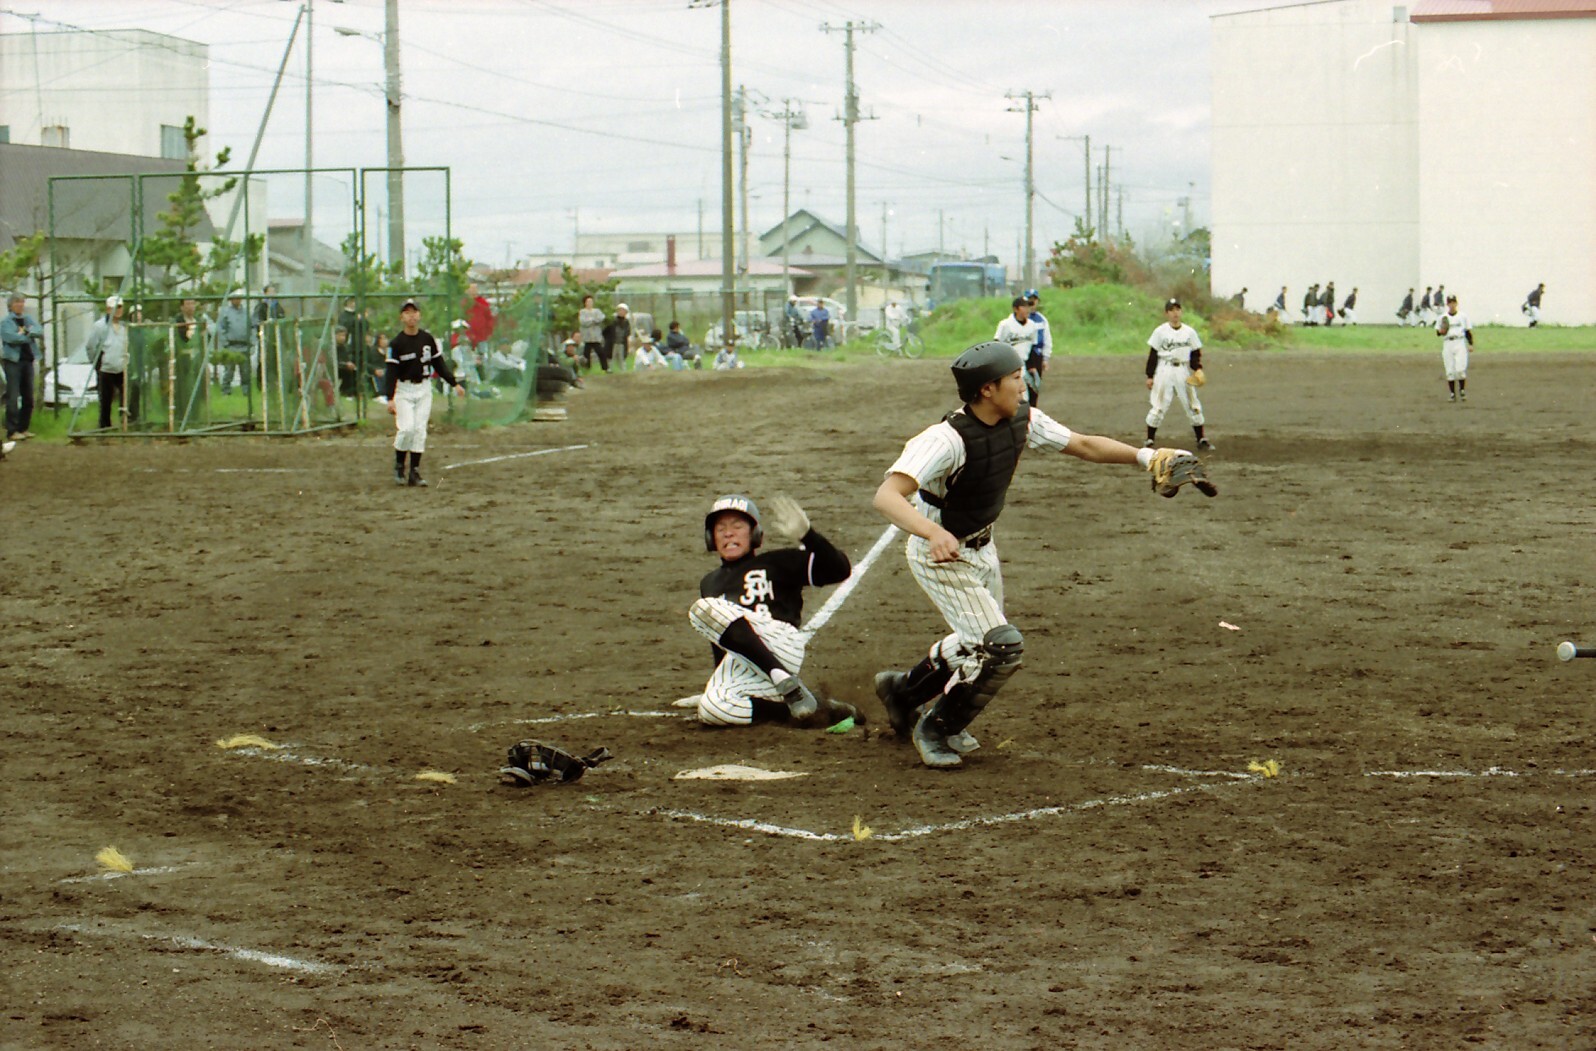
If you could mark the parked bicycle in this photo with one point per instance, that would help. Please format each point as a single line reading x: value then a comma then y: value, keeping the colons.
x: 903, y: 341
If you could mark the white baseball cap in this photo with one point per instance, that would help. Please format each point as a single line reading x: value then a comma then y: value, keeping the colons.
x: 237, y: 293
x: 622, y: 306
x: 112, y: 302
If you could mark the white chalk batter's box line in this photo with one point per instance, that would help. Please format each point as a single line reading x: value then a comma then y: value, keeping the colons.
x: 514, y: 456
x: 236, y: 952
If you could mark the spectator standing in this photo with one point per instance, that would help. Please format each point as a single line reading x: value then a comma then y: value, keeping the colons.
x: 894, y: 318
x: 1532, y: 304
x: 1280, y: 306
x: 795, y: 321
x: 1310, y: 301
x: 820, y: 323
x: 591, y: 325
x: 189, y: 332
x: 481, y: 318
x: 1327, y: 304
x: 107, y: 348
x: 235, y: 336
x: 1426, y: 317
x: 21, y: 348
x: 1349, y: 309
x: 619, y: 335
x: 1239, y: 300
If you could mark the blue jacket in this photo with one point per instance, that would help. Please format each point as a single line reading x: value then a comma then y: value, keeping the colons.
x: 17, y: 346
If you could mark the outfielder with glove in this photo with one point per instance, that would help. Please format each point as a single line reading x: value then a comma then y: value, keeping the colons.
x: 1457, y: 336
x: 1175, y: 370
x: 946, y: 490
x: 749, y: 609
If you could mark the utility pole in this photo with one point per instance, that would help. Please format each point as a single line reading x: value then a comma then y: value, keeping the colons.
x: 396, y: 150
x: 1107, y: 162
x: 1086, y: 214
x: 941, y: 223
x: 744, y: 132
x: 1191, y: 187
x: 850, y: 117
x: 1029, y: 259
x: 884, y: 274
x: 306, y: 238
x: 728, y: 272
x: 791, y: 119
x: 1119, y: 193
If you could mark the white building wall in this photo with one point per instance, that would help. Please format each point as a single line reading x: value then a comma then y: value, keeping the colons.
x: 111, y: 89
x: 1507, y: 137
x: 1350, y: 144
x: 1314, y: 154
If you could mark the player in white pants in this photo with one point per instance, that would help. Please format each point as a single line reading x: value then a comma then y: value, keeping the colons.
x: 749, y: 609
x: 946, y: 490
x: 1457, y: 336
x: 1532, y: 304
x: 413, y: 357
x: 1175, y: 370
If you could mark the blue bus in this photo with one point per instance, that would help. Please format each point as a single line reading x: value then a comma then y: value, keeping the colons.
x: 949, y: 281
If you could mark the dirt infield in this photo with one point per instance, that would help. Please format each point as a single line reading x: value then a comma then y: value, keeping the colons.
x: 1103, y: 873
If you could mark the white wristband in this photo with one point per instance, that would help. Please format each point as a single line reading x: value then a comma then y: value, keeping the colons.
x: 1144, y: 457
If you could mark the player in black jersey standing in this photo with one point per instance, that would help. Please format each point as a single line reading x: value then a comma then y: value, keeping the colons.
x: 413, y: 357
x: 749, y: 610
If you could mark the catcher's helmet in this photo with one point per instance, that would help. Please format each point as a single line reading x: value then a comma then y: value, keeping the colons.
x: 981, y: 364
x: 742, y: 505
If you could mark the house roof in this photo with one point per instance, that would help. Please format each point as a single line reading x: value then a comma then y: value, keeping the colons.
x: 83, y: 208
x: 802, y: 221
x: 1499, y: 10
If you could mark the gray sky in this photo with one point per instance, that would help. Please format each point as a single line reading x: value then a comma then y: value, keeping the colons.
x: 606, y: 113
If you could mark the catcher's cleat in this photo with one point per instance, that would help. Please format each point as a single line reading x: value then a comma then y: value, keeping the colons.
x: 415, y: 478
x: 901, y: 711
x: 839, y: 711
x: 963, y: 742
x: 802, y: 706
x: 932, y: 744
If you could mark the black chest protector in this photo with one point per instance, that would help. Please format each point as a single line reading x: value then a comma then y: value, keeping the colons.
x: 976, y: 494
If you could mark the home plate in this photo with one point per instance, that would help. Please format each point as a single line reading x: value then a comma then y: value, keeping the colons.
x: 687, y: 702
x: 733, y: 772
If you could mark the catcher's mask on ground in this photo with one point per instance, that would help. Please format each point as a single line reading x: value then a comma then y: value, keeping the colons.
x: 735, y: 504
x: 982, y: 364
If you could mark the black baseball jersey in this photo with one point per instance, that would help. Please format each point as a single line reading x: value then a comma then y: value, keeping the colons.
x: 414, y: 358
x: 773, y: 582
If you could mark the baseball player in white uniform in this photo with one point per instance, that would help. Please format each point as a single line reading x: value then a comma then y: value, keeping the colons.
x: 1175, y: 370
x: 1019, y: 332
x: 946, y: 490
x: 413, y: 357
x: 1457, y: 336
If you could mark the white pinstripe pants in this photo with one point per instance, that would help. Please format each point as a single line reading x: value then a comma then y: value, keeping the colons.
x: 728, y: 696
x: 412, y: 407
x: 968, y: 593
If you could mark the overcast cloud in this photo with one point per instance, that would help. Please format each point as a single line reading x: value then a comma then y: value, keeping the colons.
x: 605, y: 114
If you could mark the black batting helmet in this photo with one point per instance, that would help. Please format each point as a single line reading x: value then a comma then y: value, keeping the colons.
x: 742, y: 505
x: 982, y: 364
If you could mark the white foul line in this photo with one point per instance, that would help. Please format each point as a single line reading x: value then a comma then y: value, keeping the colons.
x: 835, y: 602
x: 568, y: 716
x: 750, y: 825
x: 237, y: 953
x: 514, y: 456
x: 1493, y: 771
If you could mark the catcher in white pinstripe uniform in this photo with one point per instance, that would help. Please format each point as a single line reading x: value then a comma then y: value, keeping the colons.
x: 749, y: 609
x: 946, y: 491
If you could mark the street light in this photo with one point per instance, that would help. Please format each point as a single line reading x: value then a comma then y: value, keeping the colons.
x: 389, y: 39
x: 791, y: 120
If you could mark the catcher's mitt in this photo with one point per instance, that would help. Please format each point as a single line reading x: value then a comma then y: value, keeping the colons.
x: 533, y: 763
x: 1173, y: 468
x: 1196, y: 379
